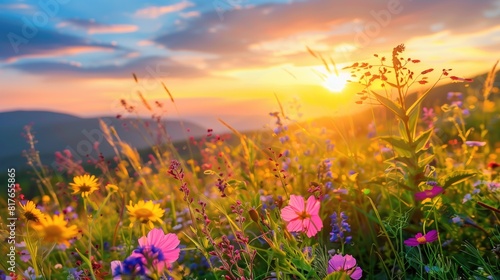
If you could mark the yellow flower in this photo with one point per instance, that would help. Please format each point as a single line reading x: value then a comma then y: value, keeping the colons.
x: 55, y: 229
x: 45, y: 199
x: 145, y: 212
x: 85, y: 184
x: 112, y: 188
x: 30, y: 212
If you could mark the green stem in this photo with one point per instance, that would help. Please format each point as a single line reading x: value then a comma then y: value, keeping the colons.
x: 422, y: 262
x: 398, y: 258
x: 89, y: 263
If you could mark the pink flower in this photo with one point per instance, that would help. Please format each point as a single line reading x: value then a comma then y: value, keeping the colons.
x: 429, y: 193
x: 167, y: 243
x: 302, y: 217
x: 158, y: 249
x: 431, y: 236
x: 346, y: 264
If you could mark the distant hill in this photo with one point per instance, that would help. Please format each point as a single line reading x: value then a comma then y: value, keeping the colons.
x: 57, y: 132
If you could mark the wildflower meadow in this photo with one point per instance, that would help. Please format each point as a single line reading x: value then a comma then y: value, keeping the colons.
x: 412, y: 193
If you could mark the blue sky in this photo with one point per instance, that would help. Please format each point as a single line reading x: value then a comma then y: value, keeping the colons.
x: 218, y: 57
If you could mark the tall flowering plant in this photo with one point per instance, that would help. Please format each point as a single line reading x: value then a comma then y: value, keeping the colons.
x: 396, y: 78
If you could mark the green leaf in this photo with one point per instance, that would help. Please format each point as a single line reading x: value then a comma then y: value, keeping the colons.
x: 456, y: 177
x: 413, y: 116
x: 87, y: 262
x: 237, y: 184
x: 338, y: 275
x: 405, y: 160
x: 422, y: 140
x: 415, y: 107
x: 389, y: 104
x: 423, y: 162
x: 402, y: 131
x: 400, y: 146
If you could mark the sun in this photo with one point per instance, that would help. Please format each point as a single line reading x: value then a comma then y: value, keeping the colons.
x: 336, y: 83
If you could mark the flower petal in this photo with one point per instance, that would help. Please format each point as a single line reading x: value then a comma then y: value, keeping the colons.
x: 315, y: 224
x: 349, y: 262
x: 411, y: 242
x: 295, y: 226
x: 336, y: 263
x: 312, y: 205
x: 288, y: 214
x: 358, y: 272
x: 297, y: 203
x: 431, y: 236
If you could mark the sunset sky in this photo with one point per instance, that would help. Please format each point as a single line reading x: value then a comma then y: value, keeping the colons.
x: 223, y: 58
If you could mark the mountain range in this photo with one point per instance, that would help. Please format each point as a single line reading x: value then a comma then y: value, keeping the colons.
x: 58, y: 132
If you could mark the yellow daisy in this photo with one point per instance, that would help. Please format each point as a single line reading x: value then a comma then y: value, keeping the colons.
x: 112, y: 188
x: 145, y: 212
x: 55, y: 229
x: 30, y: 212
x: 85, y: 184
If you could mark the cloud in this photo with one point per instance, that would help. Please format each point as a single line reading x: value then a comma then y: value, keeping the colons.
x: 93, y: 27
x: 279, y: 32
x: 23, y: 39
x: 17, y: 6
x: 157, y: 11
x: 152, y: 67
x: 190, y: 14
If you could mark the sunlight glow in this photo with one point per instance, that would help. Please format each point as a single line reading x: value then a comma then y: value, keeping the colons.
x: 336, y: 83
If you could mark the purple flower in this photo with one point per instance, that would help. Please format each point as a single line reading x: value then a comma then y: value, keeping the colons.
x: 493, y: 186
x: 133, y: 265
x: 339, y: 228
x: 475, y: 143
x: 454, y: 95
x: 428, y: 117
x: 457, y: 220
x: 429, y: 193
x: 25, y: 255
x: 75, y: 274
x: 29, y: 273
x: 429, y: 237
x: 466, y: 198
x: 346, y: 264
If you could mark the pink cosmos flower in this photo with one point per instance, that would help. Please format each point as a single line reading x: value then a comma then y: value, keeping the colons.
x: 346, y: 264
x: 429, y: 237
x: 167, y: 243
x: 302, y: 217
x: 429, y: 193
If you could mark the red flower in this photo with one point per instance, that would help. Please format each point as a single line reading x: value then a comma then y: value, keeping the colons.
x: 493, y: 165
x: 429, y: 237
x: 455, y: 78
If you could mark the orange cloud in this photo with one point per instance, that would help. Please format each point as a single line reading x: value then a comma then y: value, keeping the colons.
x: 71, y: 50
x: 119, y: 28
x: 157, y: 11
